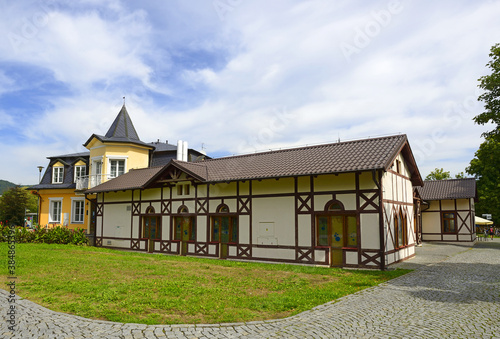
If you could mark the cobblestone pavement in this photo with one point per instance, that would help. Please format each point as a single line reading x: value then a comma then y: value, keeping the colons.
x: 453, y: 293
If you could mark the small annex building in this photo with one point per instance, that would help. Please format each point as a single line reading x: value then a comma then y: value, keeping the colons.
x: 447, y: 210
x: 344, y: 204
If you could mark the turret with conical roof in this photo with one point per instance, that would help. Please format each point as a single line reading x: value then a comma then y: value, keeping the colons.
x: 122, y: 127
x: 117, y: 152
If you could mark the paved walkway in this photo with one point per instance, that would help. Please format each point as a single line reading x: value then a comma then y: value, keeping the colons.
x: 453, y: 293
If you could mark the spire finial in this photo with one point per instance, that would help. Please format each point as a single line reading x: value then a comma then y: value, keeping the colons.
x: 123, y: 101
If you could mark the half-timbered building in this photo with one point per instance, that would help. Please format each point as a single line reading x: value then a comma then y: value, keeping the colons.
x: 448, y: 212
x: 345, y: 204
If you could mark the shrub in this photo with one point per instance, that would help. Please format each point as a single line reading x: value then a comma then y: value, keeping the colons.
x: 55, y: 235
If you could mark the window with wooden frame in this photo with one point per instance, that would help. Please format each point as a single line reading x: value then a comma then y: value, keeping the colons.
x: 449, y: 222
x: 184, y: 228
x: 400, y: 230
x: 337, y: 231
x: 398, y: 166
x: 183, y: 189
x: 224, y: 227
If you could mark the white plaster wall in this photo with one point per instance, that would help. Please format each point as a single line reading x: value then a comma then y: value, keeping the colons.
x: 116, y: 215
x: 346, y: 181
x: 370, y: 231
x: 320, y: 202
x: 245, y: 188
x: 304, y: 184
x: 348, y: 200
x: 223, y: 189
x: 201, y: 229
x: 387, y: 186
x: 274, y: 253
x: 98, y: 223
x: 165, y: 228
x: 277, y: 210
x: 151, y: 194
x: 202, y: 191
x: 272, y: 186
x: 118, y: 196
x: 320, y: 256
x: 304, y: 230
x: 116, y: 243
x: 433, y: 206
x: 244, y: 229
x: 431, y: 222
x: 447, y: 205
x: 135, y: 226
x: 366, y: 181
x: 351, y: 257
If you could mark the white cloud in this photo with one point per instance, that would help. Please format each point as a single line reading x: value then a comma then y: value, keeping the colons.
x: 234, y: 77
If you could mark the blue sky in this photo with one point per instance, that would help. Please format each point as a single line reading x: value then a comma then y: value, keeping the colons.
x: 242, y: 76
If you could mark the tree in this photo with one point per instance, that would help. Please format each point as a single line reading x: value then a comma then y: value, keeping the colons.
x: 14, y: 203
x: 438, y: 174
x: 460, y: 175
x: 491, y: 96
x: 486, y: 168
x: 486, y: 164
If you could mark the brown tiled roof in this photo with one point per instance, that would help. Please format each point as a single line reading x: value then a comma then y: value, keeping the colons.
x: 134, y: 179
x: 341, y: 157
x: 448, y: 189
x: 350, y: 156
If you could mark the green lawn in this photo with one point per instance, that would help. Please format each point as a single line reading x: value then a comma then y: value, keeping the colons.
x: 158, y: 289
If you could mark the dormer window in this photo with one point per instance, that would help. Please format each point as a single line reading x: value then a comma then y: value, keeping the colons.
x: 57, y: 175
x: 80, y: 171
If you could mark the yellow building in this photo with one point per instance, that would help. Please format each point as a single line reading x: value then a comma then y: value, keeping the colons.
x: 62, y: 187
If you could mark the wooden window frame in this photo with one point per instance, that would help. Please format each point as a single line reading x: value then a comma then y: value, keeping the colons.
x: 192, y: 228
x: 454, y: 219
x: 404, y: 229
x: 344, y: 225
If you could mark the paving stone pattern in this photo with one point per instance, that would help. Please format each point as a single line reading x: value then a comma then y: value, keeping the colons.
x: 454, y: 292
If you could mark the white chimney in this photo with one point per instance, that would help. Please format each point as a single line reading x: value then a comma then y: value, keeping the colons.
x: 185, y: 151
x: 179, y: 150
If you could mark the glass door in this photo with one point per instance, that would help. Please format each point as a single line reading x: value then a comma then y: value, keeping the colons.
x: 337, y: 232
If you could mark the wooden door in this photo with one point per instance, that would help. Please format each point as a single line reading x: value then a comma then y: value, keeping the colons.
x: 337, y: 240
x: 184, y: 232
x: 337, y: 232
x: 151, y: 231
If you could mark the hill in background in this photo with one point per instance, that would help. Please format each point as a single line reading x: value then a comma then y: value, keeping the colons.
x: 5, y: 185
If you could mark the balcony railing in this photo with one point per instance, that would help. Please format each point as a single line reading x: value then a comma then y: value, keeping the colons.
x: 89, y: 181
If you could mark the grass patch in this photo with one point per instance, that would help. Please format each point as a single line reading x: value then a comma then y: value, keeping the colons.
x: 144, y: 288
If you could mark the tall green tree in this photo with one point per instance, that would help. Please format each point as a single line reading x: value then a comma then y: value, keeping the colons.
x: 491, y: 96
x: 486, y: 164
x: 14, y: 203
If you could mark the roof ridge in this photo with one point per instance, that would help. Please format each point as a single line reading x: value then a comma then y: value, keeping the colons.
x: 291, y: 149
x: 452, y: 179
